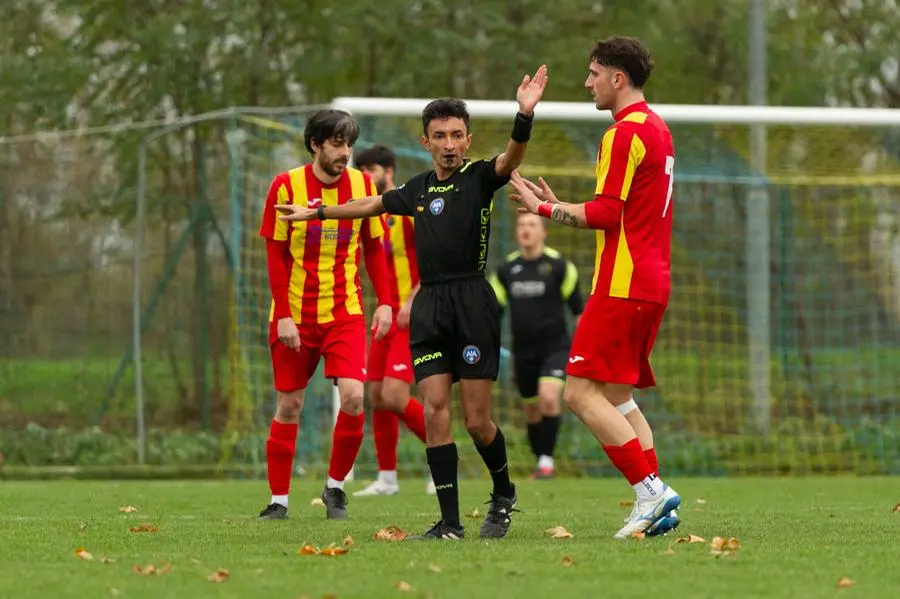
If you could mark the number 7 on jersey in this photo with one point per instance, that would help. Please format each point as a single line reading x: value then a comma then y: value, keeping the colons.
x: 670, y: 172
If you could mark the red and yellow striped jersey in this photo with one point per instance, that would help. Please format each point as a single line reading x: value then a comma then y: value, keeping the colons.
x: 400, y: 250
x: 324, y: 271
x: 635, y: 164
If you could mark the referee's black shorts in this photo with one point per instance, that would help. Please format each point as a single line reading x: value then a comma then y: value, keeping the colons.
x: 454, y: 328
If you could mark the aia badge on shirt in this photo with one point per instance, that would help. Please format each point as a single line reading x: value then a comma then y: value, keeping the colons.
x: 471, y: 354
x: 436, y: 206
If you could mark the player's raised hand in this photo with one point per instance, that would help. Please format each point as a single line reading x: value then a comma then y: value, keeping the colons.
x: 381, y: 321
x: 526, y: 194
x: 295, y: 212
x: 288, y: 333
x: 531, y: 90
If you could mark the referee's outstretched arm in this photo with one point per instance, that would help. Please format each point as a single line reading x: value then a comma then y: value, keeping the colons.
x: 369, y: 206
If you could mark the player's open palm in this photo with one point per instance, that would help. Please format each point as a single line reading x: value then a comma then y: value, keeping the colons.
x: 381, y: 321
x: 288, y: 333
x: 526, y: 193
x: 294, y: 212
x: 531, y: 90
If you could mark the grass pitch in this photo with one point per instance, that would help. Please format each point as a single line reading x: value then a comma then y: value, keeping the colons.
x: 798, y: 537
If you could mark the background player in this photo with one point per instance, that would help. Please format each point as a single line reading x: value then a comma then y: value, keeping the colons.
x: 455, y: 321
x: 317, y: 307
x: 535, y: 284
x: 632, y: 214
x: 390, y: 370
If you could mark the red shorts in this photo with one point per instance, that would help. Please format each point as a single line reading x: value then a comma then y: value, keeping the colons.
x: 390, y: 356
x: 343, y: 344
x: 613, y: 341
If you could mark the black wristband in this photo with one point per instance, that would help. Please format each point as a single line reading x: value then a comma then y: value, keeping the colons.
x: 521, y: 132
x: 320, y: 212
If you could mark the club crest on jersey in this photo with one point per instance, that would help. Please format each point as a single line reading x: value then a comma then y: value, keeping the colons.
x: 471, y: 354
x: 436, y: 206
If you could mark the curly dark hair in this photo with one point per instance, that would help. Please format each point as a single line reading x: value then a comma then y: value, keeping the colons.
x: 442, y: 109
x: 378, y: 154
x: 330, y: 124
x: 628, y: 54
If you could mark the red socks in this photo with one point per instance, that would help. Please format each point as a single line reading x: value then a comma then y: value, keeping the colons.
x: 345, y: 444
x: 414, y: 418
x: 280, y: 456
x: 386, y: 428
x: 629, y: 459
x: 650, y: 454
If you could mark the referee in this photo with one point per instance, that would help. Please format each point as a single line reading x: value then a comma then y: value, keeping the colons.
x: 455, y: 321
x: 536, y: 284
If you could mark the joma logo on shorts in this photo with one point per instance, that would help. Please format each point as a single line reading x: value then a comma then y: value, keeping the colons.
x: 427, y: 358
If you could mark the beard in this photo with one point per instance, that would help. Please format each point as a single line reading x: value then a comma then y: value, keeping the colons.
x: 333, y: 168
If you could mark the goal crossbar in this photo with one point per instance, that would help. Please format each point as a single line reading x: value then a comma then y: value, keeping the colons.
x: 674, y: 113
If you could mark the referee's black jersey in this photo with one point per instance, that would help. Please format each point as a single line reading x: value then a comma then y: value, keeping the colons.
x: 453, y: 219
x: 536, y: 293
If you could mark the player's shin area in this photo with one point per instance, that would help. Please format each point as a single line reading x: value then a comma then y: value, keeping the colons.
x: 595, y: 404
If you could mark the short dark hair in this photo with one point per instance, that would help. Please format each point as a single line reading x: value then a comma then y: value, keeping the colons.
x: 330, y: 124
x: 626, y: 53
x: 378, y: 154
x: 444, y: 108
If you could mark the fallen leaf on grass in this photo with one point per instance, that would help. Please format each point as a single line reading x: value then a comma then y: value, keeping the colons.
x: 144, y: 528
x: 558, y: 532
x: 83, y: 554
x: 220, y: 575
x: 151, y: 570
x: 722, y: 546
x: 317, y: 501
x: 348, y: 541
x: 690, y: 539
x: 628, y: 503
x: 434, y: 568
x: 82, y: 527
x: 390, y: 533
x: 475, y: 514
x: 330, y: 551
x: 333, y: 550
x: 845, y: 583
x: 128, y: 509
x: 638, y: 535
x: 404, y: 586
x: 896, y: 509
x: 669, y: 550
x: 701, y: 501
x: 568, y: 561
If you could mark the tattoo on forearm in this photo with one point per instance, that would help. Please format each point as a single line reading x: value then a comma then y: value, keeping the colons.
x: 560, y: 215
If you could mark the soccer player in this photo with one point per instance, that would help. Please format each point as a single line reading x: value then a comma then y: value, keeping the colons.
x: 454, y: 325
x: 632, y: 214
x: 390, y: 371
x: 536, y: 284
x: 317, y: 307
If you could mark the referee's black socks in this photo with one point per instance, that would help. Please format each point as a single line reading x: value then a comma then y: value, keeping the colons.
x: 494, y: 456
x: 443, y: 461
x: 550, y: 426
